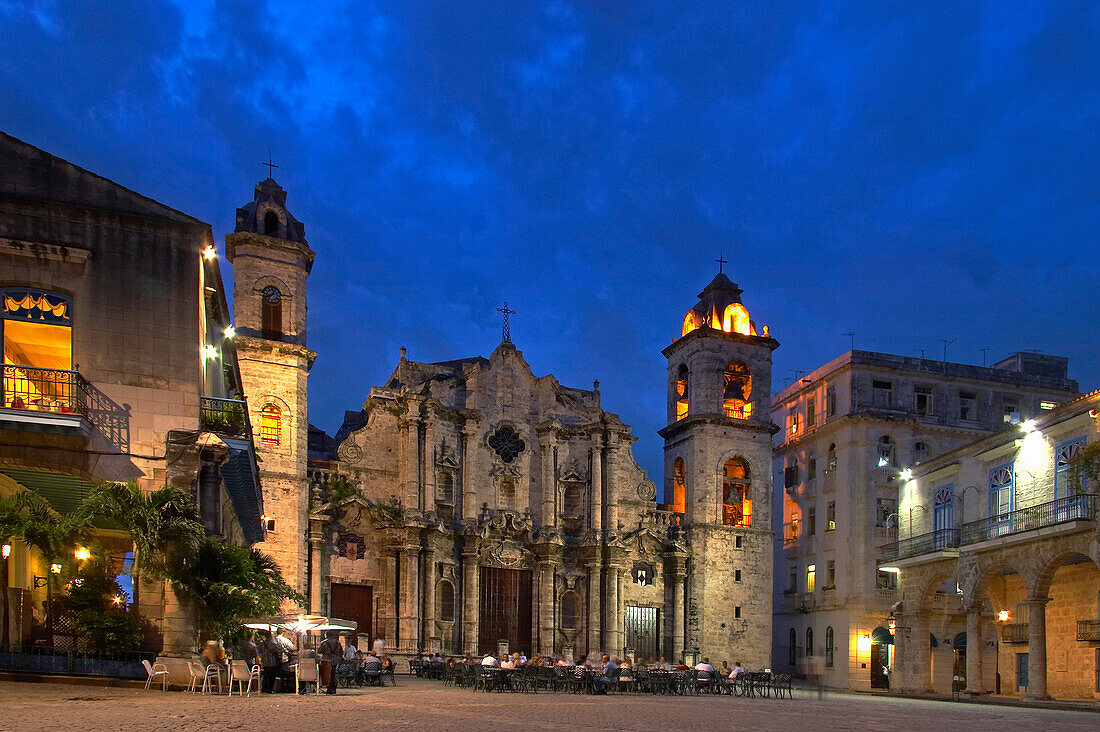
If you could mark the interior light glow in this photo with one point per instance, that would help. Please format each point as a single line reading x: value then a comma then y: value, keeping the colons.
x: 6, y: 550
x: 1003, y: 616
x: 1028, y: 425
x: 210, y: 253
x: 230, y: 331
x: 82, y: 553
x: 209, y: 352
x: 895, y: 570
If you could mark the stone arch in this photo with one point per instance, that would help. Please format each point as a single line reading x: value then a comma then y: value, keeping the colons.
x: 272, y: 281
x: 978, y: 591
x: 262, y: 210
x: 926, y: 590
x: 1040, y: 586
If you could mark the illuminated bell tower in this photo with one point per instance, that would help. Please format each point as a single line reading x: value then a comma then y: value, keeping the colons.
x: 718, y: 455
x: 271, y: 261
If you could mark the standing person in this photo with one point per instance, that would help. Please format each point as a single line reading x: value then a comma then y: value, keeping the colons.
x: 271, y: 660
x: 330, y: 651
x: 247, y: 651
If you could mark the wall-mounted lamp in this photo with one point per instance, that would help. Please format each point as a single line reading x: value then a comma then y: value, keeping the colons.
x: 230, y: 331
x: 209, y: 352
x: 210, y: 253
x: 5, y: 551
x: 906, y: 474
x: 892, y: 624
x: 1003, y: 616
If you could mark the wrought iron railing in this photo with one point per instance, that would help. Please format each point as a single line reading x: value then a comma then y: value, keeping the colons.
x: 56, y: 391
x: 1088, y: 630
x: 1014, y: 633
x: 44, y: 390
x: 915, y: 546
x: 225, y: 417
x: 1070, y: 508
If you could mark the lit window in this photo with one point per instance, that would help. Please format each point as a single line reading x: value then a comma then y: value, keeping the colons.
x: 811, y: 574
x: 886, y: 452
x: 37, y: 328
x: 1047, y: 405
x: 679, y: 480
x: 830, y: 516
x: 737, y: 391
x: 681, y: 392
x: 736, y: 320
x: 271, y: 425
x: 736, y: 498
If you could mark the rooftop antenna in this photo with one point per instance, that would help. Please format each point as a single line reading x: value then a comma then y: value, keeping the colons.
x: 946, y: 343
x: 270, y: 163
x: 851, y: 335
x: 984, y: 352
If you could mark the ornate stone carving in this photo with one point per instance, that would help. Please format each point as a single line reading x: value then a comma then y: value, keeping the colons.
x: 349, y: 452
x: 647, y: 491
x: 507, y: 443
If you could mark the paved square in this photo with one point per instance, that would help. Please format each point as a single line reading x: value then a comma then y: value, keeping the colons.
x: 427, y: 705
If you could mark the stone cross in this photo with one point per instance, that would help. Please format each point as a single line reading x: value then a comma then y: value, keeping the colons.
x: 721, y: 260
x: 505, y: 331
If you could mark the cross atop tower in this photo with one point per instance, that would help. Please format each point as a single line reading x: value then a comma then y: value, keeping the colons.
x: 721, y: 261
x: 270, y: 163
x: 505, y: 332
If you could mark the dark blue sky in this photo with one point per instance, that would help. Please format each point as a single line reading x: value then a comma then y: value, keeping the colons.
x: 908, y: 171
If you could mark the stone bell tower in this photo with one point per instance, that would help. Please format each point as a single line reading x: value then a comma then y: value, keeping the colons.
x: 718, y: 449
x: 271, y: 261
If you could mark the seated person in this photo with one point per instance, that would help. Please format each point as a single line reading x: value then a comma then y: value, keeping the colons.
x: 664, y: 665
x: 737, y: 670
x: 724, y: 672
x: 610, y: 674
x: 507, y: 663
x: 490, y: 661
x: 704, y: 665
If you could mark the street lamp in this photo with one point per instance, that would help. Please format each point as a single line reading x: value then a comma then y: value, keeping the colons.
x: 82, y: 553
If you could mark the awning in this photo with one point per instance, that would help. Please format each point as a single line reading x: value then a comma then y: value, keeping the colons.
x: 882, y: 636
x: 935, y: 643
x: 300, y: 623
x: 243, y: 484
x: 960, y: 641
x: 63, y: 492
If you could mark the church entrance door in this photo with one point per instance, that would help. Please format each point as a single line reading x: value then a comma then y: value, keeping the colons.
x: 354, y: 602
x: 641, y: 632
x: 504, y: 610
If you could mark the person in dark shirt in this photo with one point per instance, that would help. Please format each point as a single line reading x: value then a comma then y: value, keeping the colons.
x: 330, y: 651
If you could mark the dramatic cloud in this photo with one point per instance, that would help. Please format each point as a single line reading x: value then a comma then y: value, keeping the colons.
x: 905, y: 171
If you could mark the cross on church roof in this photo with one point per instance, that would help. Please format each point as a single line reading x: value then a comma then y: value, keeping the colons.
x: 505, y: 332
x: 721, y: 260
x: 270, y: 163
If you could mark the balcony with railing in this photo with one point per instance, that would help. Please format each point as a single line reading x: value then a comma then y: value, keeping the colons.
x: 225, y: 417
x: 38, y: 394
x: 1080, y: 507
x: 1088, y: 630
x: 1014, y: 633
x: 915, y: 546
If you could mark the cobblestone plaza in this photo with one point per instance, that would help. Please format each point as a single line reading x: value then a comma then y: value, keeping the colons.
x: 427, y: 705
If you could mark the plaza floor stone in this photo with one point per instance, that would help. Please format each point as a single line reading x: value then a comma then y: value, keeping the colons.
x: 427, y: 705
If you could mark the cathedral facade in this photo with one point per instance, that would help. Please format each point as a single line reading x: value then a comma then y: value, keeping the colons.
x: 471, y: 506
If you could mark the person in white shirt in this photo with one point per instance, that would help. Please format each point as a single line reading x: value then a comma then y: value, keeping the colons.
x: 507, y: 663
x: 490, y: 661
x: 737, y: 670
x: 705, y: 666
x: 349, y: 650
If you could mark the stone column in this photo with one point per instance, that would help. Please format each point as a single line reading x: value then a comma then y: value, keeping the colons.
x: 427, y: 596
x: 615, y: 619
x: 594, y: 608
x: 316, y: 548
x: 410, y: 437
x: 595, y: 492
x: 546, y: 569
x: 611, y: 503
x: 610, y: 610
x: 679, y: 616
x: 427, y: 475
x: 1036, y: 648
x: 914, y: 655
x: 469, y: 490
x: 470, y: 600
x: 974, y: 648
x: 547, y: 445
x: 409, y: 610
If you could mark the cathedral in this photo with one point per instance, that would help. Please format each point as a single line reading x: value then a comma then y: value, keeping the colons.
x: 471, y: 506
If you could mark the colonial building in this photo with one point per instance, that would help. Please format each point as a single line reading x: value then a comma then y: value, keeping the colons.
x: 999, y: 575
x: 118, y: 366
x: 470, y: 504
x: 850, y: 428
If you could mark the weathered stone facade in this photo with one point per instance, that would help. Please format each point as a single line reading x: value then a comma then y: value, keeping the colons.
x: 1021, y: 584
